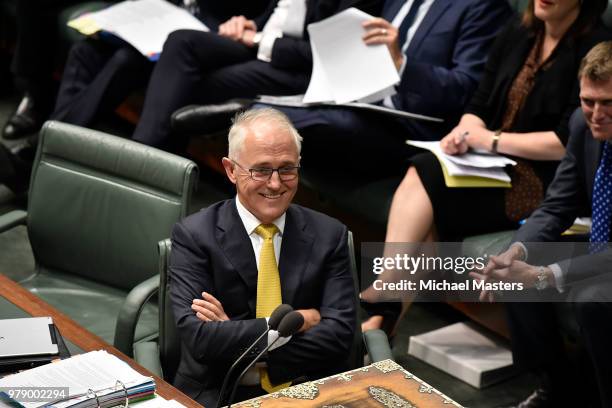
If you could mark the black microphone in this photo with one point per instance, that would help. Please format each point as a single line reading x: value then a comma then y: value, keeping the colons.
x: 289, y: 325
x: 273, y: 322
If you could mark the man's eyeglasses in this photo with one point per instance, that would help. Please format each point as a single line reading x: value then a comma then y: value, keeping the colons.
x: 286, y: 173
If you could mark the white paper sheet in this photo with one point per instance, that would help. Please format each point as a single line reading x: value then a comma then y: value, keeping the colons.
x: 469, y: 164
x: 345, y: 69
x: 145, y: 24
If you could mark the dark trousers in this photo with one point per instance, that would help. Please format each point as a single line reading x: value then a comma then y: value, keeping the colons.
x: 37, y: 48
x: 199, y: 68
x: 97, y: 78
x: 538, y: 345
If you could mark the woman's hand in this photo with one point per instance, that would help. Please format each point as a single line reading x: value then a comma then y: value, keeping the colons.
x: 380, y: 31
x: 466, y: 136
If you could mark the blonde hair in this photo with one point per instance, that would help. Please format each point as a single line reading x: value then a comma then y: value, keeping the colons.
x: 597, y: 64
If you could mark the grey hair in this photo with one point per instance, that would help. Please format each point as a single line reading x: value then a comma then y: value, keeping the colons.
x: 244, y: 120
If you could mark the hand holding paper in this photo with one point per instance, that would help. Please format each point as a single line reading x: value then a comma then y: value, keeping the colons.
x: 345, y: 68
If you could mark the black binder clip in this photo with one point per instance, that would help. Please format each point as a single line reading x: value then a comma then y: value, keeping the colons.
x: 127, y: 400
x: 92, y: 394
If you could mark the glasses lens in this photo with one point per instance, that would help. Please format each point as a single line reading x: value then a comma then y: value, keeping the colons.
x: 261, y: 174
x: 288, y: 173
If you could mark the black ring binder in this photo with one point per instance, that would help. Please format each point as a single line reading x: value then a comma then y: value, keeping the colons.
x: 89, y: 392
x: 127, y: 400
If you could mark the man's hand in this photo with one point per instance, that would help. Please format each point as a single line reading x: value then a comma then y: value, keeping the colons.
x: 501, y: 261
x: 234, y: 27
x: 312, y: 317
x: 380, y: 31
x: 208, y: 309
x: 248, y: 37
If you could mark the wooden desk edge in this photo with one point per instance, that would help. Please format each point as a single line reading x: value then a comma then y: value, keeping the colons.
x: 79, y: 336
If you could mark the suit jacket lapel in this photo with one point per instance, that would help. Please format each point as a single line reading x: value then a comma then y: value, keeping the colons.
x: 435, y: 12
x: 592, y: 155
x: 295, y: 252
x: 391, y: 9
x: 236, y: 244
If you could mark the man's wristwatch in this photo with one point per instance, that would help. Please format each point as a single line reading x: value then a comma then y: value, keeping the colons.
x: 541, y: 279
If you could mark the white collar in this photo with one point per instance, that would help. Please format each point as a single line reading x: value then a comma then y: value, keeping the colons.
x: 251, y: 222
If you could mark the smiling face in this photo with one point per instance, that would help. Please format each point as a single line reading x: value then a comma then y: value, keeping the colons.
x: 265, y: 145
x: 556, y: 11
x: 596, y: 101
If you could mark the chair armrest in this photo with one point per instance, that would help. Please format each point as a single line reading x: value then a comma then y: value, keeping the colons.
x: 203, y: 120
x: 130, y: 311
x: 146, y: 353
x: 377, y: 345
x: 12, y: 219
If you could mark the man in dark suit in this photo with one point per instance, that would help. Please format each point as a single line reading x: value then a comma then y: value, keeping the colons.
x: 439, y: 48
x: 219, y: 279
x: 583, y: 181
x: 202, y: 68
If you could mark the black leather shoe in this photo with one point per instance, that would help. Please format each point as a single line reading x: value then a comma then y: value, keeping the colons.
x: 16, y: 167
x: 25, y: 121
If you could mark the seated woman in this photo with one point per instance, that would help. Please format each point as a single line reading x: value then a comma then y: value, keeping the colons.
x: 520, y: 109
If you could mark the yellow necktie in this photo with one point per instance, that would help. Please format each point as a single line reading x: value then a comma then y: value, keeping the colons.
x: 268, y: 290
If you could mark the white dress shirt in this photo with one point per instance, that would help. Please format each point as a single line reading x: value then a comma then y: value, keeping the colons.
x: 397, y: 21
x: 288, y: 18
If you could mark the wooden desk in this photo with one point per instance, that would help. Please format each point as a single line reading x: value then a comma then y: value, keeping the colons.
x: 382, y: 384
x: 80, y: 337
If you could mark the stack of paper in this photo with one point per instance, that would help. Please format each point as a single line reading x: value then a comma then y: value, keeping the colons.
x: 297, y: 101
x: 471, y: 169
x: 345, y: 69
x: 581, y: 226
x: 466, y: 352
x: 145, y: 24
x: 87, y: 380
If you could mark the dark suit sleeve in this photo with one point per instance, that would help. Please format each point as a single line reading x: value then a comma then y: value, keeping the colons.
x: 580, y: 270
x: 190, y: 275
x: 439, y: 90
x: 261, y: 19
x: 565, y: 196
x: 331, y: 339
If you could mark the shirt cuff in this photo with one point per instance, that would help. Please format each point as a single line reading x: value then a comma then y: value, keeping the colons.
x: 264, y: 52
x: 559, y: 278
x: 272, y: 336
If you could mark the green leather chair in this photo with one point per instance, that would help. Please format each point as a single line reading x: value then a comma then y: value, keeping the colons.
x: 162, y: 356
x: 98, y: 205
